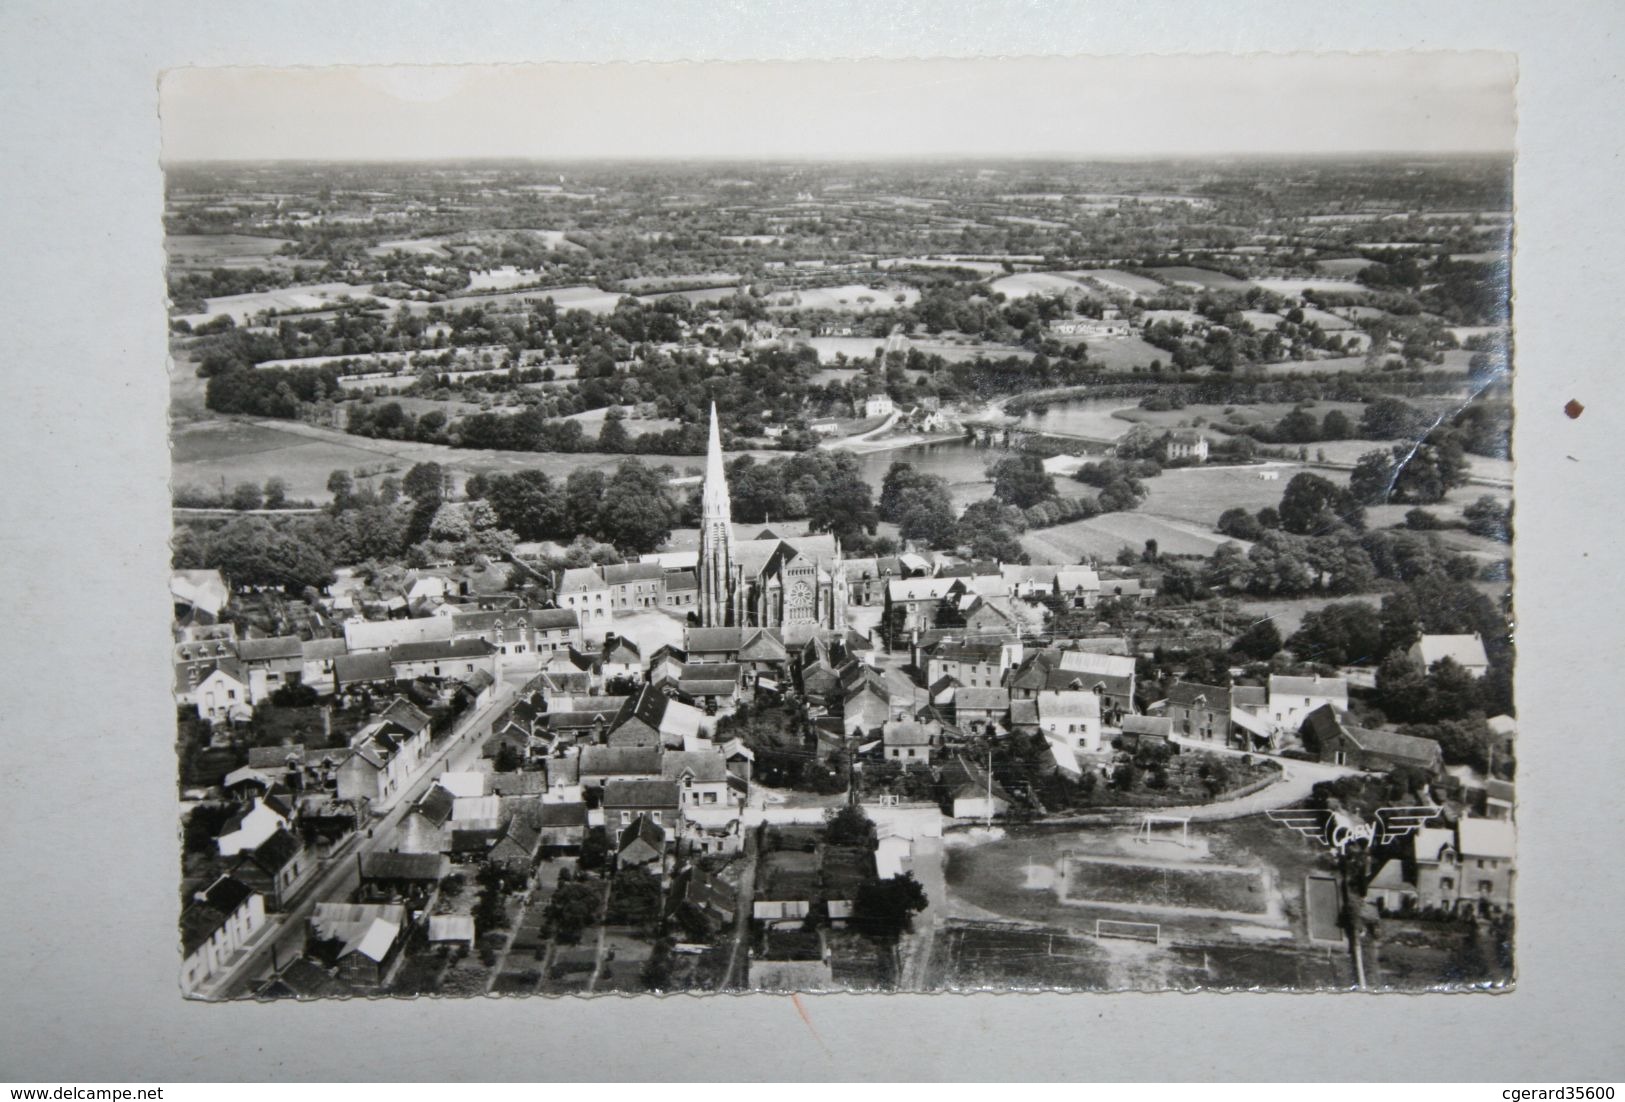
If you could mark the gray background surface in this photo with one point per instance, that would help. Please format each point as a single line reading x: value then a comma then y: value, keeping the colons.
x: 88, y: 989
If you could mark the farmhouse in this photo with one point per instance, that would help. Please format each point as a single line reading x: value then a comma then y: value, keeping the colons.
x: 1337, y: 743
x: 1466, y: 651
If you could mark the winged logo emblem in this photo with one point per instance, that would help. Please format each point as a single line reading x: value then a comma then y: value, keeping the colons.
x: 1338, y: 829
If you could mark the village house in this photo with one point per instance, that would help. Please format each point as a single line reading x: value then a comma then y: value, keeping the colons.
x: 682, y: 589
x: 1199, y: 711
x: 385, y: 755
x: 641, y: 842
x: 713, y: 644
x: 271, y: 663
x: 980, y: 706
x: 251, y: 826
x: 562, y: 827
x: 912, y: 603
x: 223, y: 694
x: 660, y: 800
x: 367, y: 670
x: 215, y: 926
x: 1472, y: 866
x: 702, y: 903
x: 702, y: 778
x: 1072, y: 715
x: 973, y: 793
x: 401, y: 877
x: 1291, y: 699
x: 382, y: 635
x: 907, y: 743
x: 583, y: 590
x: 198, y: 592
x: 519, y: 848
x: 1078, y: 586
x: 276, y: 868
x: 653, y: 720
x: 194, y: 658
x: 601, y: 764
x: 363, y: 939
x: 317, y: 663
x: 424, y: 828
x: 1466, y: 651
x: 452, y: 658
x: 1186, y: 444
x: 635, y: 585
x: 1331, y: 740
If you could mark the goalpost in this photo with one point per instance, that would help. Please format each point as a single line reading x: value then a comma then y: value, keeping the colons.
x: 1146, y: 832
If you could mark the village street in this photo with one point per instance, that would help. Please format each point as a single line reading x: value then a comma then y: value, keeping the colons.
x: 282, y: 938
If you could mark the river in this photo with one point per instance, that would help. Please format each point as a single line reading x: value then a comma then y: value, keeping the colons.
x: 963, y: 465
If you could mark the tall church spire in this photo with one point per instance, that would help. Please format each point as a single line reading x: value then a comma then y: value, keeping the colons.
x: 716, y: 536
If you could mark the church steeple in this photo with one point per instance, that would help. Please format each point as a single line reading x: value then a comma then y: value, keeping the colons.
x: 716, y: 536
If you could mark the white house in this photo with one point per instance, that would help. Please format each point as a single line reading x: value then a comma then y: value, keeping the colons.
x: 1467, y: 651
x: 223, y: 694
x: 247, y: 829
x: 1072, y: 715
x: 1293, y: 698
x: 1187, y: 445
x: 215, y: 926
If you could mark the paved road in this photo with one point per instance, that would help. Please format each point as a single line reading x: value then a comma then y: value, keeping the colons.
x: 284, y: 936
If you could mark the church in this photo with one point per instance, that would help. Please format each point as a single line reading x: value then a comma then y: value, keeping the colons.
x: 796, y: 584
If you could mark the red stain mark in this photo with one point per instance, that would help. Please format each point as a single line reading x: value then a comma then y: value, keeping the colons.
x: 1573, y: 409
x: 805, y: 1017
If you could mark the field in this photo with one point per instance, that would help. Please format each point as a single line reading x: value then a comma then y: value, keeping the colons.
x: 592, y: 422
x: 220, y: 250
x: 957, y: 353
x: 851, y: 298
x: 850, y: 347
x: 1201, y: 278
x: 1197, y: 495
x: 1327, y: 321
x: 1343, y: 266
x: 1103, y: 536
x: 1297, y: 285
x: 1263, y: 413
x: 1039, y: 283
x: 1188, y: 887
x: 1114, y: 280
x: 310, y: 296
x: 304, y: 455
x: 1123, y: 353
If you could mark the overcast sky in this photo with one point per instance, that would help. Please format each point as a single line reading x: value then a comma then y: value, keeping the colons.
x: 1083, y: 107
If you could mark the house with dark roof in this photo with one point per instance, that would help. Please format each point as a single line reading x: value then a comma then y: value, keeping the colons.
x: 713, y: 644
x: 654, y: 720
x: 223, y: 694
x: 1199, y: 711
x: 364, y: 939
x: 640, y: 842
x: 271, y: 663
x: 702, y: 777
x: 562, y: 827
x: 401, y: 877
x: 1329, y: 738
x: 623, y: 800
x: 451, y: 658
x: 302, y: 979
x: 519, y: 847
x: 682, y: 589
x: 702, y: 904
x: 602, y: 764
x: 363, y: 670
x: 215, y: 926
x: 276, y: 868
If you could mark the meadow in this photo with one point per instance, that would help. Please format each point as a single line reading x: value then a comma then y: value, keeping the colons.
x: 1040, y: 283
x: 1114, y: 280
x: 1201, y: 278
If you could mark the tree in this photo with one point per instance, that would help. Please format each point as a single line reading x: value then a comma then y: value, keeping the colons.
x: 425, y: 484
x: 885, y: 909
x: 634, y: 898
x: 613, y: 437
x: 1239, y: 524
x: 528, y: 503
x: 342, y: 487
x: 634, y: 513
x: 573, y: 908
x: 1487, y: 517
x: 1021, y: 481
x: 1336, y: 426
x: 1388, y: 418
x: 246, y: 496
x: 926, y: 515
x: 848, y: 825
x: 583, y: 490
x: 1312, y: 504
x: 1260, y: 642
x: 1341, y: 634
x: 276, y: 492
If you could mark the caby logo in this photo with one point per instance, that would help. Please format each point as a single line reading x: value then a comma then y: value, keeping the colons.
x: 1338, y: 830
